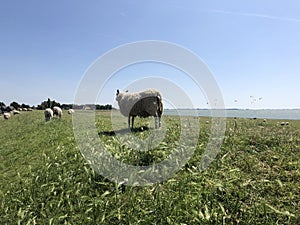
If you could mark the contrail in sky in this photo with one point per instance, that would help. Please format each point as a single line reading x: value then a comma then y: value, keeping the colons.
x: 258, y: 15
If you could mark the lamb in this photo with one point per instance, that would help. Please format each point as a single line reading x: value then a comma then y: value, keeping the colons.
x: 71, y: 111
x: 143, y: 104
x: 57, y: 111
x: 48, y: 114
x: 6, y: 115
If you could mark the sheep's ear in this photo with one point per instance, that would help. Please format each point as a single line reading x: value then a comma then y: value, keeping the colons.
x: 118, y: 92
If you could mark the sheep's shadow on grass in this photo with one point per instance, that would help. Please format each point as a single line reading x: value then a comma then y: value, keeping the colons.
x: 124, y: 131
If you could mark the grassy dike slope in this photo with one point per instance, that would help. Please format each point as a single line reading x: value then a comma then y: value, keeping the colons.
x: 45, y: 180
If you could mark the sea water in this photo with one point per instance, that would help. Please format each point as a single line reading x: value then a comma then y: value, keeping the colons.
x: 288, y: 114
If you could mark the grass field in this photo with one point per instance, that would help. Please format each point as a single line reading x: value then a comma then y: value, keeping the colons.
x: 255, y: 179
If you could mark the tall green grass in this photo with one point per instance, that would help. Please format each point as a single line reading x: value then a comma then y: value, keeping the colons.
x: 255, y: 179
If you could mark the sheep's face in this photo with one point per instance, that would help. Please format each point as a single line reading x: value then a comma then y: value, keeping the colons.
x: 118, y: 96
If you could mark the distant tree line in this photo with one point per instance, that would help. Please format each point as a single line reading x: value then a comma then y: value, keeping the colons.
x: 51, y: 103
x: 48, y: 104
x: 15, y: 105
x: 104, y: 107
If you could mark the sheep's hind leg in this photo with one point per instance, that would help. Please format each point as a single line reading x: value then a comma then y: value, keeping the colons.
x: 128, y: 122
x: 132, y: 122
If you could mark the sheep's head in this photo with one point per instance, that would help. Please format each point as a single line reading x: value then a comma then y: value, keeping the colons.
x: 118, y: 95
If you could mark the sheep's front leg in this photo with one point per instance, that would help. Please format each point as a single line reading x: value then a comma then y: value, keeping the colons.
x: 157, y: 121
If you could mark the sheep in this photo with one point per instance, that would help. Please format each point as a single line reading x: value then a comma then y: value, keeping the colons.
x: 57, y: 111
x: 16, y: 112
x: 6, y: 115
x: 71, y: 111
x: 143, y: 104
x: 284, y: 123
x: 48, y: 114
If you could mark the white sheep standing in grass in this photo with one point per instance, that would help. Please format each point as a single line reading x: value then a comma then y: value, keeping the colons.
x: 143, y: 104
x: 6, y: 115
x: 57, y: 111
x: 48, y: 114
x: 71, y: 111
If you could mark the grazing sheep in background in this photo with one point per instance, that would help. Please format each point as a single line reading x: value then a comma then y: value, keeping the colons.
x: 284, y: 123
x: 15, y: 112
x: 6, y: 115
x: 57, y: 111
x: 48, y: 114
x: 71, y: 111
x: 143, y: 104
x: 30, y: 109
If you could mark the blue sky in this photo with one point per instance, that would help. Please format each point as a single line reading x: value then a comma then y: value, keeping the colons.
x: 251, y: 47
